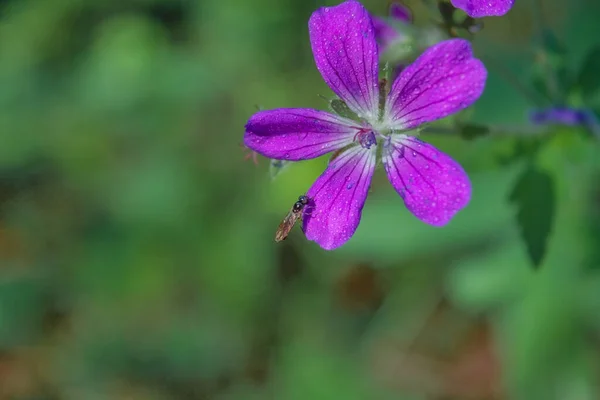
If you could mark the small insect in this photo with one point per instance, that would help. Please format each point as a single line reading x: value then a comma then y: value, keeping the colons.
x: 290, y: 219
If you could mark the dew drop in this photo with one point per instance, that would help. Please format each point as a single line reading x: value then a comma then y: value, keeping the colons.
x: 286, y: 155
x: 349, y: 186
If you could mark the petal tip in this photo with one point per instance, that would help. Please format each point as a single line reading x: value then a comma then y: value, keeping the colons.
x: 445, y: 79
x: 434, y: 186
x: 346, y: 54
x: 339, y: 196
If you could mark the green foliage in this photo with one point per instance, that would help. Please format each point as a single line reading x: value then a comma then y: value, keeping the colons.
x: 588, y: 80
x: 551, y: 75
x: 534, y: 196
x: 389, y: 232
x: 137, y: 258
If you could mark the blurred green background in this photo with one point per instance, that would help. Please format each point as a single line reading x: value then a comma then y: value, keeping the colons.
x: 136, y: 243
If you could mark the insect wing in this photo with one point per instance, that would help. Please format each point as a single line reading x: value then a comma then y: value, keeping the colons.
x: 286, y: 226
x: 276, y: 167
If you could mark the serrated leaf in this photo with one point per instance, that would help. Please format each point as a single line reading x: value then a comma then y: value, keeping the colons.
x: 535, y: 196
x: 588, y: 79
x: 341, y: 108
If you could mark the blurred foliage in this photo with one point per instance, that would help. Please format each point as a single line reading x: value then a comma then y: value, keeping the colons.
x: 534, y: 194
x: 136, y: 244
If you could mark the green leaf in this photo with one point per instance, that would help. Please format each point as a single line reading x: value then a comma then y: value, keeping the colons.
x: 588, y: 79
x: 535, y: 196
x: 341, y: 108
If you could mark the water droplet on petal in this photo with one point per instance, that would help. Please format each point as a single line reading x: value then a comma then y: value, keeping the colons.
x: 349, y: 186
x: 286, y: 155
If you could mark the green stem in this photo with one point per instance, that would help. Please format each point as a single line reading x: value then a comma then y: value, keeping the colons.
x: 496, y: 130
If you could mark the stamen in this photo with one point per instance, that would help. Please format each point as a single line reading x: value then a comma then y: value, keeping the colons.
x: 366, y: 138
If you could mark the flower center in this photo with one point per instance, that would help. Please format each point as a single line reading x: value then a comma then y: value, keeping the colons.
x: 365, y: 137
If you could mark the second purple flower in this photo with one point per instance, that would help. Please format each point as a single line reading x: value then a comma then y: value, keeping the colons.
x: 443, y: 80
x: 484, y: 8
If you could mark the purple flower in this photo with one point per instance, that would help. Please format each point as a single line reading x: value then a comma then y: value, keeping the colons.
x: 386, y: 33
x: 443, y: 80
x: 566, y: 116
x: 484, y: 8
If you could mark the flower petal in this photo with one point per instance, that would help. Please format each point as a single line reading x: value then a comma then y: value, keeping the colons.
x: 338, y: 197
x: 445, y: 79
x: 400, y: 12
x: 345, y: 51
x: 297, y: 133
x: 484, y: 8
x: 558, y: 115
x: 566, y: 116
x: 433, y: 186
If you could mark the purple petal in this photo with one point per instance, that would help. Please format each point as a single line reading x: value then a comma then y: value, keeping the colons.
x: 338, y: 197
x: 433, y: 186
x: 445, y: 79
x: 385, y: 34
x: 566, y: 116
x: 558, y: 115
x: 401, y: 12
x: 484, y: 8
x: 297, y: 133
x: 345, y: 51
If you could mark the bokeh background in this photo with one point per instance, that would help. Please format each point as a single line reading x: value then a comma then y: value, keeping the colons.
x: 137, y: 258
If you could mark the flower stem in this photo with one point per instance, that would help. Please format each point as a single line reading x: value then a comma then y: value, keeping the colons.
x: 495, y: 130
